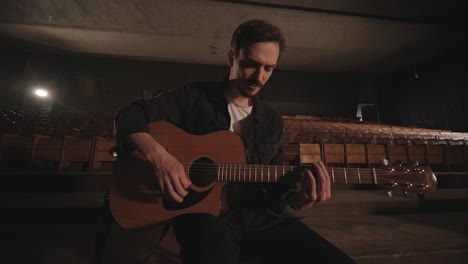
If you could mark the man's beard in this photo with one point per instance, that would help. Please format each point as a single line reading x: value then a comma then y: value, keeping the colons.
x: 247, y: 88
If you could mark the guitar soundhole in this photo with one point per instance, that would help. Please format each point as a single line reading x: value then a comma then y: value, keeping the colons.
x: 202, y: 173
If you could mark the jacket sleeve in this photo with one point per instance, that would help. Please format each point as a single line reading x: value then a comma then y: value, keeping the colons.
x: 134, y: 117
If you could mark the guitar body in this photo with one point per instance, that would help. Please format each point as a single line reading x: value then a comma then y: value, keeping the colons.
x: 135, y: 198
x: 210, y: 160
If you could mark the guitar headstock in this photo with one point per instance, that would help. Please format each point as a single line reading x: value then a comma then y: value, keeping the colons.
x: 407, y: 178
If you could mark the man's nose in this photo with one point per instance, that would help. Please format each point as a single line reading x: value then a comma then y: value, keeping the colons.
x: 260, y: 75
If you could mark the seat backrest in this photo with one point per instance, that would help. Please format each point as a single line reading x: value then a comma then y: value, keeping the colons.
x: 417, y: 153
x: 102, y: 156
x: 355, y: 154
x: 309, y: 153
x: 77, y: 153
x: 47, y: 152
x: 291, y: 153
x: 457, y: 157
x: 375, y: 153
x: 435, y: 154
x: 397, y: 153
x: 334, y: 153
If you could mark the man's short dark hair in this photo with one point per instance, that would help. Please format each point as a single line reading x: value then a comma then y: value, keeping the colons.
x: 254, y: 31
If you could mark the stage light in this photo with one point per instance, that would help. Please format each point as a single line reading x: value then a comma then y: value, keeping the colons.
x: 41, y: 92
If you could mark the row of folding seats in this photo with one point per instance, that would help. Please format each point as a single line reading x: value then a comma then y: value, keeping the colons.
x: 41, y: 152
x: 296, y: 128
x: 441, y: 157
x: 314, y: 130
x: 56, y: 123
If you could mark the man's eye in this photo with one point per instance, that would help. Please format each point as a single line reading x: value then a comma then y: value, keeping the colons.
x: 248, y: 64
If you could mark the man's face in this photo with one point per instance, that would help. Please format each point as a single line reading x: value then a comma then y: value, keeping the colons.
x: 253, y: 66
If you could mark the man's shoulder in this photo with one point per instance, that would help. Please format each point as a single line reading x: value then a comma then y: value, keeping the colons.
x: 271, y: 113
x: 197, y: 89
x: 205, y: 86
x: 269, y: 109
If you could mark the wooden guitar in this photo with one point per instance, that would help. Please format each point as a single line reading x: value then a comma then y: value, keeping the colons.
x: 212, y: 160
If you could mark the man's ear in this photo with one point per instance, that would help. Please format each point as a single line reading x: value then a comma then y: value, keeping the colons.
x: 231, y: 58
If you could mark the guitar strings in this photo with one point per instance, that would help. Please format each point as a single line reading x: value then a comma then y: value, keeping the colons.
x: 238, y: 171
x: 216, y: 167
x: 266, y: 168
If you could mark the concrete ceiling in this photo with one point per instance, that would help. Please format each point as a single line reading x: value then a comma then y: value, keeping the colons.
x: 325, y: 36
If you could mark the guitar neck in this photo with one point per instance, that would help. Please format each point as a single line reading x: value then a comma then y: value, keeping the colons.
x: 272, y: 173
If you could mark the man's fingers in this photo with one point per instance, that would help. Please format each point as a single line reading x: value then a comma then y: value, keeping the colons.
x: 311, y: 194
x: 328, y: 180
x: 313, y: 187
x: 176, y: 184
x: 171, y: 191
x: 171, y: 176
x: 322, y: 184
x: 184, y: 180
x: 319, y: 181
x: 161, y: 184
x: 322, y: 171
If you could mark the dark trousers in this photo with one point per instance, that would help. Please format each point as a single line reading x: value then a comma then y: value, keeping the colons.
x: 208, y: 239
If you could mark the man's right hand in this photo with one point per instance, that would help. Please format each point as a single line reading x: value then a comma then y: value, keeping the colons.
x: 170, y: 173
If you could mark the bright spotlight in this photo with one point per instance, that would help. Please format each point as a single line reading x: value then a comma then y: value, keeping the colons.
x: 41, y: 92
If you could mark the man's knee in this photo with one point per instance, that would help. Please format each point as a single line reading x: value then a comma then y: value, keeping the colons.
x: 206, y: 238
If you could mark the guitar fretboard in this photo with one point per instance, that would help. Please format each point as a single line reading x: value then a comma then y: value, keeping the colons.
x: 272, y: 173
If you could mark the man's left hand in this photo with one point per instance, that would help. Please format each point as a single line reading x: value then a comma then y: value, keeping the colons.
x: 313, y: 190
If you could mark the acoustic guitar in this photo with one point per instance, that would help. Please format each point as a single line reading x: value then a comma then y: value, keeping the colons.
x: 211, y: 161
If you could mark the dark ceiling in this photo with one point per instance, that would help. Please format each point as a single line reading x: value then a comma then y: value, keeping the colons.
x: 324, y: 36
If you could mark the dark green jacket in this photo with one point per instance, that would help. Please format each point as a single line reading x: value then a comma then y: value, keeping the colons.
x: 201, y: 108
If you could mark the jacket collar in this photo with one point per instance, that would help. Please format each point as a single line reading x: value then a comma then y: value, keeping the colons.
x: 258, y: 109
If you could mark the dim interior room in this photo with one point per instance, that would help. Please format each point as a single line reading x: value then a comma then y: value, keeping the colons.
x: 361, y: 85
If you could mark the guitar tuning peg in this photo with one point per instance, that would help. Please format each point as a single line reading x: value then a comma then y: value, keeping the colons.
x: 397, y: 162
x: 405, y: 194
x: 421, y: 195
x: 413, y: 163
x: 384, y: 162
x: 390, y: 194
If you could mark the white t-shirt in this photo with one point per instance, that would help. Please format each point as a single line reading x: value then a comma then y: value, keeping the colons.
x: 238, y: 114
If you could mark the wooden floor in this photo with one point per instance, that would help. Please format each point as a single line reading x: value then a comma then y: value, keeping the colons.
x: 370, y: 229
x: 366, y: 224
